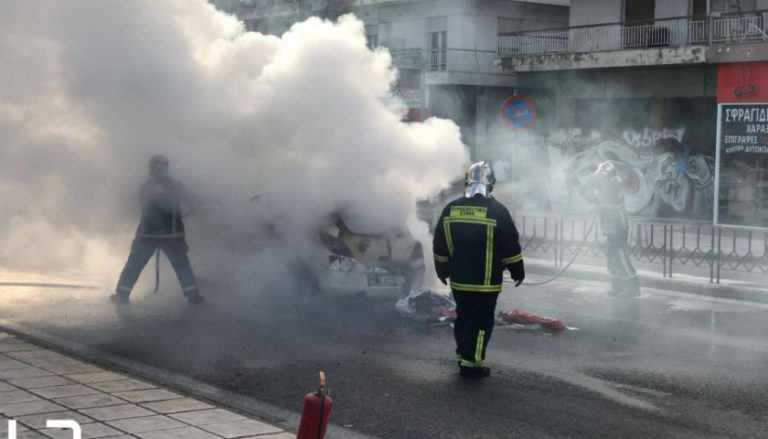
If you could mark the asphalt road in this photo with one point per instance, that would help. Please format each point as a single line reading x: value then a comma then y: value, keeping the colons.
x: 664, y: 365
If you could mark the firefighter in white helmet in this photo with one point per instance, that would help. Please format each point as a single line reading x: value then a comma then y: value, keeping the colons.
x: 474, y: 242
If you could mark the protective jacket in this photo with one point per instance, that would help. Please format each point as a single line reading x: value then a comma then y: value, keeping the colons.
x: 610, y: 205
x: 161, y: 209
x: 474, y: 241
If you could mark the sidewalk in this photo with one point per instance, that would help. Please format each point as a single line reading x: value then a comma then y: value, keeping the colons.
x: 680, y: 282
x: 38, y: 384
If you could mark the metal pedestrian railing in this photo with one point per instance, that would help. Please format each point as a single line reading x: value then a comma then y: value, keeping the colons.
x: 669, y: 32
x: 724, y: 252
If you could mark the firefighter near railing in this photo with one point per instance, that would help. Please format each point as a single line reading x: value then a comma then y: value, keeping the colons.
x: 721, y: 252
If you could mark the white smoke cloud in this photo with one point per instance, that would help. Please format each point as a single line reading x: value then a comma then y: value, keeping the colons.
x: 89, y: 90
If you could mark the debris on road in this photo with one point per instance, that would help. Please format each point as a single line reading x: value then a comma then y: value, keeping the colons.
x: 427, y: 306
x: 516, y: 317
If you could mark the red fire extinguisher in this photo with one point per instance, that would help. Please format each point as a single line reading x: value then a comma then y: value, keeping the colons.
x: 314, y: 415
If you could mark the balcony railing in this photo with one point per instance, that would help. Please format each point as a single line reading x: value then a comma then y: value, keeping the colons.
x: 670, y: 32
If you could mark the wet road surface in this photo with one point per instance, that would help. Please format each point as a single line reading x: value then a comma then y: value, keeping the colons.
x: 663, y: 365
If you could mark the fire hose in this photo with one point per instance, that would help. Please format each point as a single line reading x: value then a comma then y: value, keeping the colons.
x: 157, y: 271
x: 575, y: 255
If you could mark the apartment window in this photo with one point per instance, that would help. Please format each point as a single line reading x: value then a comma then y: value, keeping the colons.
x: 725, y: 6
x: 639, y: 11
x: 372, y: 40
x: 438, y: 48
x: 699, y: 8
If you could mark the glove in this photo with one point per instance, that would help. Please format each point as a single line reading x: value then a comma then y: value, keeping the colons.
x: 442, y: 279
x: 517, y: 271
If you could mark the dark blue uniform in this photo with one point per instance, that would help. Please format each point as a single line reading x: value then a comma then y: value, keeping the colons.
x: 161, y: 227
x: 474, y: 242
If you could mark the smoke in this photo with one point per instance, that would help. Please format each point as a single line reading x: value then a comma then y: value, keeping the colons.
x: 89, y: 90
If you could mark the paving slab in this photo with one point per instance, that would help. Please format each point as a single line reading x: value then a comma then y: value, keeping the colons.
x: 30, y: 408
x: 39, y: 382
x: 30, y: 435
x: 95, y: 377
x: 64, y: 391
x: 115, y: 412
x: 38, y: 421
x: 14, y: 396
x: 147, y: 395
x: 143, y: 425
x: 122, y: 386
x: 11, y: 364
x: 93, y: 430
x: 4, y: 426
x: 179, y: 433
x: 214, y: 416
x: 89, y: 401
x: 177, y: 405
x: 23, y: 372
x: 249, y: 427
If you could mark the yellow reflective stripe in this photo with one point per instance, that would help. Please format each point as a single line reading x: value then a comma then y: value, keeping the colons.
x: 468, y: 220
x: 512, y: 259
x: 478, y: 288
x: 488, y: 254
x: 479, y: 347
x: 439, y: 258
x: 469, y: 211
x: 448, y: 240
x: 468, y: 363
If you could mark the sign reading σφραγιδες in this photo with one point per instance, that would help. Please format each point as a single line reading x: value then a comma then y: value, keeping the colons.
x: 742, y: 192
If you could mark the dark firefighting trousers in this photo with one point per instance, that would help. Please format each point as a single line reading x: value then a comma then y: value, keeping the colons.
x: 623, y: 274
x: 142, y: 249
x: 475, y: 317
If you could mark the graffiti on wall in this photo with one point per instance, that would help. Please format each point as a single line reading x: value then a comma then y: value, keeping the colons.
x: 663, y: 176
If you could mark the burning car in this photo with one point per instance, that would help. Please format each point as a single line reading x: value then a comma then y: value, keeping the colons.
x: 383, y: 265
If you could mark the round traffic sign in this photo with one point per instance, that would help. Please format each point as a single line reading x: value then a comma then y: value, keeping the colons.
x: 518, y: 113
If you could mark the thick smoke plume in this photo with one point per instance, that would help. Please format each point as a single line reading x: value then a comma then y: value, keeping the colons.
x: 89, y: 90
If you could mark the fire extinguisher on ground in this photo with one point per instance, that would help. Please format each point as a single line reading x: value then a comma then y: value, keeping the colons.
x: 314, y: 415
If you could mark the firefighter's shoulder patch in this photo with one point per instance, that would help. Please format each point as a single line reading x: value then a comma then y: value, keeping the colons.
x: 469, y: 211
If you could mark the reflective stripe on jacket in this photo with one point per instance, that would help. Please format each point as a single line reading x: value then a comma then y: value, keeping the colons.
x: 475, y: 239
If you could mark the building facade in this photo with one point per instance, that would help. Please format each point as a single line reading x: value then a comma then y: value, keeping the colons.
x: 646, y: 83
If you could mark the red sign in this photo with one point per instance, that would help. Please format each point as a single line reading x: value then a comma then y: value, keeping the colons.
x: 745, y: 82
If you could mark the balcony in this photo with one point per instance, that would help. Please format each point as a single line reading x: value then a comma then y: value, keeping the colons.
x: 678, y: 32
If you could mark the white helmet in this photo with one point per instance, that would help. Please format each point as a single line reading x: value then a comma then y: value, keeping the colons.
x: 479, y: 180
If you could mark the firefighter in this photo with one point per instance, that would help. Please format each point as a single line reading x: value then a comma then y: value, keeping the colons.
x: 474, y: 242
x: 160, y: 228
x: 607, y: 185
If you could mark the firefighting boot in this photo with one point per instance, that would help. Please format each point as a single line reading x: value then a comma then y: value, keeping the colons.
x: 194, y: 298
x: 474, y: 372
x: 120, y: 298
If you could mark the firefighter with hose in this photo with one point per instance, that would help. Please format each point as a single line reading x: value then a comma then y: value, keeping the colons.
x: 161, y: 227
x: 475, y: 241
x: 606, y: 185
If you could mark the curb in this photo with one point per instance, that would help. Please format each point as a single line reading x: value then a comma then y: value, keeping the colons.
x: 264, y: 411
